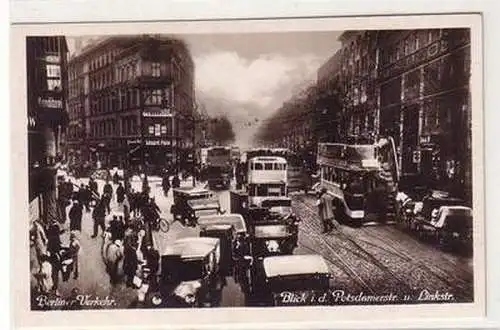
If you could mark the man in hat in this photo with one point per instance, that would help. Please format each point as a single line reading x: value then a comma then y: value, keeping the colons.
x: 75, y: 216
x: 326, y: 210
x: 74, y: 251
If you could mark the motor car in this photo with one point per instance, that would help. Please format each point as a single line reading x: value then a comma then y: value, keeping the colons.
x: 191, y: 203
x: 422, y: 212
x: 450, y: 226
x: 227, y: 235
x: 189, y: 274
x: 291, y: 280
x: 223, y: 225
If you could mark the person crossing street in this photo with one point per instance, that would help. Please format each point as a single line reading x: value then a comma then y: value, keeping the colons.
x: 120, y: 193
x: 99, y: 215
x: 326, y: 211
x: 75, y: 216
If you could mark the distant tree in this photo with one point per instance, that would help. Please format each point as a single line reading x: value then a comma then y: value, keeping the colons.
x: 221, y: 130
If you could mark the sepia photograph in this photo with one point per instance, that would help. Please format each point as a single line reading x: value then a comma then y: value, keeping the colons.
x: 274, y: 169
x: 250, y: 167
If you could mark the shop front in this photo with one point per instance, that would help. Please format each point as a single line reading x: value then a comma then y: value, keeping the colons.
x: 155, y: 156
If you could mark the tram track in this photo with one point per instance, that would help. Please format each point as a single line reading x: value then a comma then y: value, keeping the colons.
x: 447, y: 278
x: 411, y: 263
x: 358, y: 251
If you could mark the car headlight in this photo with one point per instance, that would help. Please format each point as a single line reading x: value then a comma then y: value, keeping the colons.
x: 156, y: 300
x: 190, y: 299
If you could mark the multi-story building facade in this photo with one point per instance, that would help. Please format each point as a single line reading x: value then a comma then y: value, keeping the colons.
x: 412, y: 85
x: 46, y: 109
x: 131, y: 102
x: 424, y: 104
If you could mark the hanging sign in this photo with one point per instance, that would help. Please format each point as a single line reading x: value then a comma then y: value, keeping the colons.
x: 50, y: 102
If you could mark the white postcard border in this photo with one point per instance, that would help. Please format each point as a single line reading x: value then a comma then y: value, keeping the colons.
x: 211, y: 317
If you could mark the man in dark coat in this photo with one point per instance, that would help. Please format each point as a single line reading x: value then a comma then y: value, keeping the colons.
x: 75, y: 216
x: 130, y: 261
x: 98, y: 215
x: 132, y: 199
x: 165, y: 184
x: 54, y: 232
x: 117, y: 229
x: 106, y: 199
x: 84, y: 197
x: 120, y: 193
x: 176, y: 181
x: 108, y: 189
x: 93, y: 186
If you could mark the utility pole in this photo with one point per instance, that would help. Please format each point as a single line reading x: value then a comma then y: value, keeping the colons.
x: 143, y: 143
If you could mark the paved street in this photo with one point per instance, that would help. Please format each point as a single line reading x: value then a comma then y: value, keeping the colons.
x: 379, y: 259
x: 383, y: 259
x: 93, y: 278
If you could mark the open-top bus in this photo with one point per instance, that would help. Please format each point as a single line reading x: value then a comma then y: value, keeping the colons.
x: 352, y: 175
x: 267, y: 179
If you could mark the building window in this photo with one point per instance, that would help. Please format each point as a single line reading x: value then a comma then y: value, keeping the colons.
x: 53, y: 71
x: 157, y: 130
x: 155, y: 98
x: 155, y: 69
x: 433, y: 77
x: 54, y: 84
x: 431, y: 116
x: 412, y: 85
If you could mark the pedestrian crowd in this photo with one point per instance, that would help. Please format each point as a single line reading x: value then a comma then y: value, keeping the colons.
x: 139, y: 212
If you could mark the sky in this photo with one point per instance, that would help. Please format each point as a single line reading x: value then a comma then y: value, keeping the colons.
x: 248, y: 76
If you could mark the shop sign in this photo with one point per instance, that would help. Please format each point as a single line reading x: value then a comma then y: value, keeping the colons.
x: 157, y: 142
x: 161, y: 113
x: 34, y: 210
x: 425, y: 139
x: 421, y: 56
x: 50, y: 102
x: 52, y: 59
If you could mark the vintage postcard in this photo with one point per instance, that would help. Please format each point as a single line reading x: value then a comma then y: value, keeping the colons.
x: 215, y: 170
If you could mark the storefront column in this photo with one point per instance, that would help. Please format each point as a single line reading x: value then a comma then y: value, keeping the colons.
x: 49, y: 194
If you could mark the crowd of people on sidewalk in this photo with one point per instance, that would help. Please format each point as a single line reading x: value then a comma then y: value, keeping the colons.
x: 136, y: 211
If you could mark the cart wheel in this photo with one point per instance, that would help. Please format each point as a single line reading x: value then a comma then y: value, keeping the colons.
x: 164, y: 225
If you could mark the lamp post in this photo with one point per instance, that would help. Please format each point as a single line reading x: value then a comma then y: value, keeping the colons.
x: 166, y: 107
x: 194, y: 145
x: 143, y: 144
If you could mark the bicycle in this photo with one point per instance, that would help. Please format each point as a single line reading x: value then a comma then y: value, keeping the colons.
x: 160, y: 224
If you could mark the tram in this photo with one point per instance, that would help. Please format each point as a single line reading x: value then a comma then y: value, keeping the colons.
x: 357, y: 179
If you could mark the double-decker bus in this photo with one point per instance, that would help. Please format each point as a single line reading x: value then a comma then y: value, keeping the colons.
x: 218, y: 169
x: 351, y: 174
x: 298, y: 177
x: 267, y: 179
x: 235, y: 154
